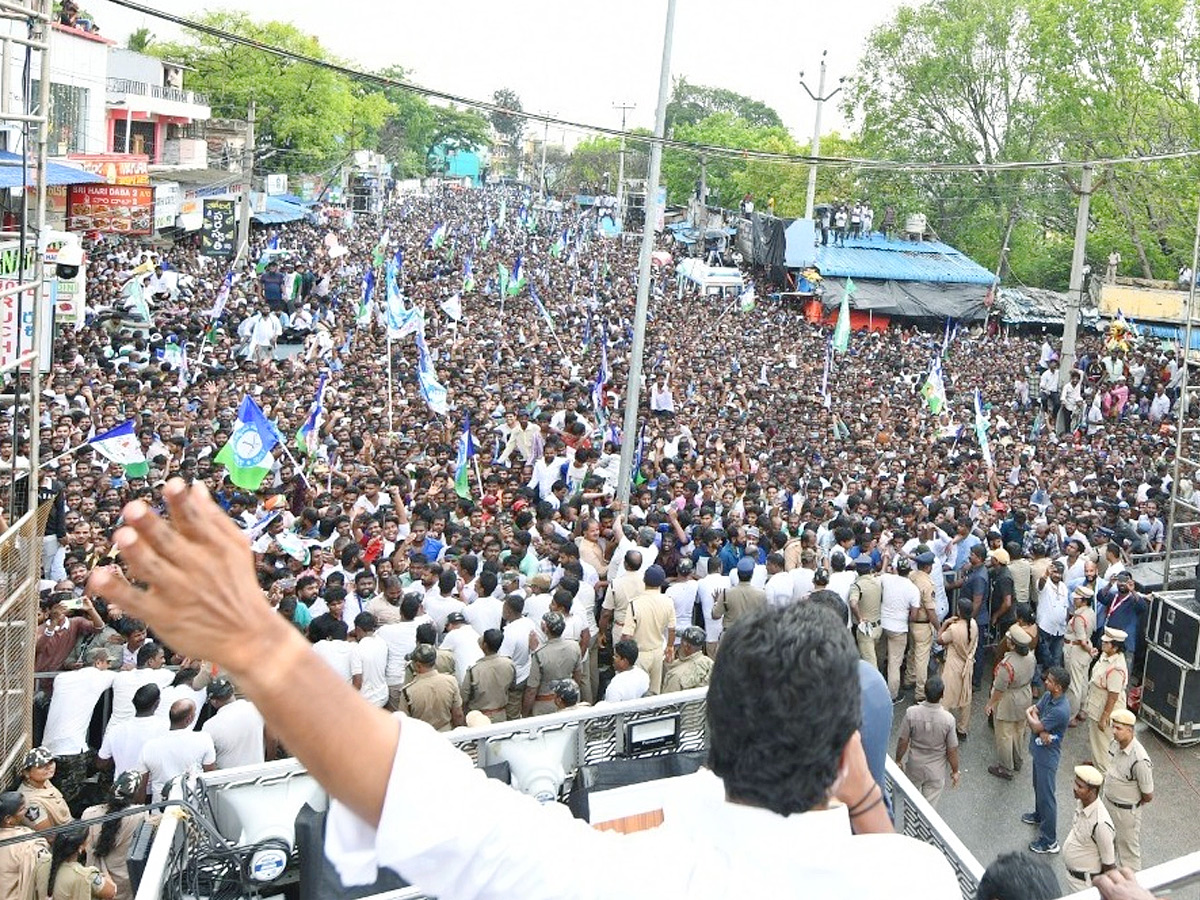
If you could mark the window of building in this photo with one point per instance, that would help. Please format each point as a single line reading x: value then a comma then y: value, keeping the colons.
x: 68, y: 119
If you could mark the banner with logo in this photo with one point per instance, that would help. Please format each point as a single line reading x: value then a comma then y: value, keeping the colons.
x: 115, y: 168
x: 218, y: 235
x: 110, y: 208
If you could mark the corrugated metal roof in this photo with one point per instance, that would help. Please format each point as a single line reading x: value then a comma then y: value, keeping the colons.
x: 892, y: 260
x: 56, y: 173
x: 279, y: 211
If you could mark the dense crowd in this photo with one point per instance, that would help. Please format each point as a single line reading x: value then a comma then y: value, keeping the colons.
x: 517, y: 584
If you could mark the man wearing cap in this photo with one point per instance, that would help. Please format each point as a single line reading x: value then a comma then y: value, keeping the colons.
x: 1047, y: 720
x: 556, y: 658
x: 432, y: 696
x: 650, y: 623
x: 236, y: 728
x: 1011, y: 696
x: 1001, y: 610
x: 691, y: 668
x: 924, y: 621
x: 461, y: 639
x: 928, y: 737
x: 735, y: 602
x: 488, y: 681
x: 1128, y: 786
x: 1123, y: 609
x: 1090, y: 848
x: 866, y: 607
x: 24, y: 866
x: 1106, y: 694
x: 900, y: 598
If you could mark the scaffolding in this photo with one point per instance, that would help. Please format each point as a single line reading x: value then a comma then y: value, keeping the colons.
x: 24, y: 60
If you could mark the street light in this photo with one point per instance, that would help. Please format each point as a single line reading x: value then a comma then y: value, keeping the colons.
x: 820, y: 97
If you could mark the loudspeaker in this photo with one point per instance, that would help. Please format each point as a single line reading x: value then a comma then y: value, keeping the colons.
x: 318, y: 877
x: 1176, y: 627
x: 139, y: 852
x: 1171, y: 697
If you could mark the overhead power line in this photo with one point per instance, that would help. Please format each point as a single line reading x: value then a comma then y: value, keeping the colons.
x: 708, y: 149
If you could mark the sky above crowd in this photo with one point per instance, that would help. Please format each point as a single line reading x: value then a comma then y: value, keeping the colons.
x: 575, y: 60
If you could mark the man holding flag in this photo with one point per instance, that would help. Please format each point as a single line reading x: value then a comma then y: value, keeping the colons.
x: 841, y: 332
x: 466, y: 450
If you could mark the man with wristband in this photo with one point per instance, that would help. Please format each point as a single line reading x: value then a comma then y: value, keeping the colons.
x: 778, y: 778
x: 1047, y: 720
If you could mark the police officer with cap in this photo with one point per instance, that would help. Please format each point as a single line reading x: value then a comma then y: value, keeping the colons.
x: 1128, y: 786
x: 691, y: 668
x: 1090, y: 848
x: 923, y: 622
x: 25, y: 865
x: 866, y: 608
x: 432, y: 696
x: 556, y: 658
x: 1106, y: 693
x: 735, y: 602
x: 45, y: 806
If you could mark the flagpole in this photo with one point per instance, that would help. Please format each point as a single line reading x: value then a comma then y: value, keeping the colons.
x: 391, y: 427
x: 299, y: 468
x: 64, y: 453
x: 478, y: 476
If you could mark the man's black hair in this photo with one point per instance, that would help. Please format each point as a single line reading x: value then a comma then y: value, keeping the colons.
x: 1018, y: 876
x: 783, y: 751
x: 934, y: 689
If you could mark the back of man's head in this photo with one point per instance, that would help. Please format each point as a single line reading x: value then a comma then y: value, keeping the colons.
x: 771, y: 753
x: 181, y: 714
x: 145, y: 699
x: 1017, y: 876
x: 492, y: 639
x: 633, y: 560
x: 410, y: 606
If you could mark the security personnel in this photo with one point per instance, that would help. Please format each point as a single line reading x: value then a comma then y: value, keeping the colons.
x: 557, y: 658
x: 1128, y: 786
x: 866, y: 608
x: 923, y: 622
x: 432, y: 696
x: 488, y: 681
x: 735, y: 602
x: 691, y: 669
x: 650, y: 623
x: 930, y: 740
x: 44, y: 804
x: 1106, y: 694
x: 1011, y: 696
x: 25, y: 865
x: 1090, y: 848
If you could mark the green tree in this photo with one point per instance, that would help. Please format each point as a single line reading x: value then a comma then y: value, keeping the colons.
x: 593, y: 165
x: 692, y: 103
x: 508, y: 125
x: 308, y: 116
x: 140, y: 40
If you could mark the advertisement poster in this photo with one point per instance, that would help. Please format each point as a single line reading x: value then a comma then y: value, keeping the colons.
x: 166, y: 205
x: 115, y: 168
x: 16, y: 310
x: 218, y: 236
x: 110, y: 209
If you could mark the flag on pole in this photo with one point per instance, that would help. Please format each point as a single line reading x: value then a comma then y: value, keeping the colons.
x: 488, y: 234
x: 466, y: 449
x: 364, y: 306
x: 120, y: 445
x: 452, y: 307
x: 379, y: 254
x: 468, y: 284
x: 502, y: 274
x: 946, y: 339
x: 841, y: 332
x: 172, y: 355
x: 638, y: 477
x: 247, y: 455
x: 747, y: 299
x: 934, y: 388
x: 541, y: 307
x: 405, y: 321
x: 437, y: 237
x: 981, y: 429
x: 826, y: 399
x: 218, y: 307
x: 431, y: 389
x: 308, y: 434
x: 559, y: 245
x: 516, y: 280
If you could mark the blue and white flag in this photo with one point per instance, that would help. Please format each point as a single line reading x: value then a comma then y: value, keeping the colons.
x: 247, y: 455
x: 309, y: 433
x: 218, y: 307
x: 431, y: 389
x: 541, y: 307
x: 437, y: 237
x: 981, y: 430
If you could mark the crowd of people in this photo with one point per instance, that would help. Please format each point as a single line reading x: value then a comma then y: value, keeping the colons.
x: 466, y: 586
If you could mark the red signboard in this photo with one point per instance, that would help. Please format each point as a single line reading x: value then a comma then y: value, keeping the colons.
x: 110, y: 208
x: 115, y: 168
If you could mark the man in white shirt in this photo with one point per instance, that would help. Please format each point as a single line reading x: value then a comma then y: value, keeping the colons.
x: 779, y: 582
x: 1053, y: 610
x: 122, y: 745
x: 237, y: 730
x: 899, y: 596
x: 75, y: 696
x: 150, y: 670
x: 547, y: 470
x: 373, y: 652
x: 401, y: 639
x: 329, y: 642
x: 682, y: 592
x: 485, y: 611
x: 517, y: 629
x: 631, y: 681
x: 463, y: 641
x: 181, y: 751
x: 707, y: 590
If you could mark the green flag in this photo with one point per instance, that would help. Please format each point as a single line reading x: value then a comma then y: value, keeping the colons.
x: 247, y: 455
x: 841, y: 332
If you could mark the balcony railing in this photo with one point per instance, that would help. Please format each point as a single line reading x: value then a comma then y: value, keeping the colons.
x: 155, y: 91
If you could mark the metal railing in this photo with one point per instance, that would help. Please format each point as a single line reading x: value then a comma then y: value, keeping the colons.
x: 132, y: 87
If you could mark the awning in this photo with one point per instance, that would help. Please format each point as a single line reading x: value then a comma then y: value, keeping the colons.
x: 278, y: 212
x: 294, y: 200
x: 56, y: 173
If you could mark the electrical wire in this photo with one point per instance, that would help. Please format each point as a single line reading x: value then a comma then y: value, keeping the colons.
x: 708, y: 149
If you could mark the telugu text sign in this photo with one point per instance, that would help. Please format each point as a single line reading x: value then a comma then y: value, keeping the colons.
x: 110, y: 208
x: 218, y: 236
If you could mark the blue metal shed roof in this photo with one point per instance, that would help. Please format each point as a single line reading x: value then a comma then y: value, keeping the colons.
x: 891, y: 260
x: 56, y: 173
x: 279, y: 211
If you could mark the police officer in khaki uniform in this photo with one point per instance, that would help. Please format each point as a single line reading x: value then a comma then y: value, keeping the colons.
x: 928, y: 743
x: 1128, y: 786
x: 923, y: 622
x: 44, y: 804
x: 866, y: 607
x: 735, y: 602
x: 557, y: 658
x: 24, y: 866
x: 650, y: 623
x: 1090, y: 848
x: 1106, y: 694
x: 432, y: 696
x: 488, y: 681
x: 691, y: 668
x: 1011, y: 696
